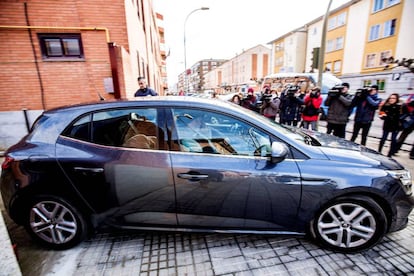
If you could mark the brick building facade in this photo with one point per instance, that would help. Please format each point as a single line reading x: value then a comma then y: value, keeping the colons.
x: 66, y: 52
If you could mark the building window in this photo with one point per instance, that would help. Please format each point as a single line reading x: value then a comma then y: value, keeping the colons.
x: 370, y: 61
x: 331, y: 23
x: 337, y: 66
x: 382, y: 4
x: 384, y: 55
x: 329, y: 46
x: 374, y: 32
x: 58, y: 46
x: 328, y: 66
x: 341, y: 19
x: 389, y: 27
x: 378, y: 5
x: 393, y: 2
x: 339, y: 43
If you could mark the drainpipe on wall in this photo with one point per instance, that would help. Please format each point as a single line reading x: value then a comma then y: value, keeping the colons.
x: 114, y: 69
x: 111, y: 47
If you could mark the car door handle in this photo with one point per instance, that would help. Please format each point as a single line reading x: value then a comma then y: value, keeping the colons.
x: 192, y: 176
x: 91, y: 170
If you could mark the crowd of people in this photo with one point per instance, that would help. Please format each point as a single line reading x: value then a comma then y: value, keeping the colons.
x: 295, y: 107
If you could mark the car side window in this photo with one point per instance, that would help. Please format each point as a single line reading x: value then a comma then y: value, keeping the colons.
x: 130, y: 128
x: 208, y: 132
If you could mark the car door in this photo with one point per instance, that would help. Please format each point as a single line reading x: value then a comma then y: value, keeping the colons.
x: 117, y: 161
x: 223, y: 178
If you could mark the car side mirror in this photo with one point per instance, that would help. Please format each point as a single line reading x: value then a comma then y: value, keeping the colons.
x: 279, y: 152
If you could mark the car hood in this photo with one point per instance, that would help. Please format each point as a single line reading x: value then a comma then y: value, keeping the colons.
x: 342, y: 150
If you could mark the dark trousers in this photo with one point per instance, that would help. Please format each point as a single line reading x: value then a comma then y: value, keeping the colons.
x: 404, y: 134
x: 393, y: 147
x: 365, y: 129
x: 336, y: 129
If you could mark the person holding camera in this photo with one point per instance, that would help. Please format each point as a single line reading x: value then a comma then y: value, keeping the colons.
x: 291, y: 102
x: 366, y: 101
x: 390, y: 112
x: 270, y: 105
x: 310, y: 112
x: 250, y: 101
x: 339, y: 102
x: 408, y: 111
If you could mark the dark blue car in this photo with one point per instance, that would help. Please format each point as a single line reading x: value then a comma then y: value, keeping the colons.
x: 183, y: 163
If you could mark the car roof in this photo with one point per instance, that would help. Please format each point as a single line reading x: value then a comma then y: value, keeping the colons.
x: 158, y: 100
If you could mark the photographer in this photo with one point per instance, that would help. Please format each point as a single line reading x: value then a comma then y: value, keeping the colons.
x: 366, y: 101
x: 339, y: 103
x: 310, y: 113
x: 291, y: 102
x: 250, y: 101
x: 270, y: 106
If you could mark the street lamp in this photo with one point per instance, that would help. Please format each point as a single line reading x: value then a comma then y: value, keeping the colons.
x: 185, y: 48
x: 321, y: 60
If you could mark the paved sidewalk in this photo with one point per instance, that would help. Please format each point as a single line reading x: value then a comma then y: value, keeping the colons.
x: 8, y: 260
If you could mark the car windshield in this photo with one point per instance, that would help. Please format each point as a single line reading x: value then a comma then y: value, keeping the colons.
x: 291, y: 132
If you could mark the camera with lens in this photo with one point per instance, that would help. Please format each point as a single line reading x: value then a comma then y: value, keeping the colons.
x: 362, y: 92
x: 336, y: 91
x: 267, y: 98
x: 291, y: 90
x: 314, y: 93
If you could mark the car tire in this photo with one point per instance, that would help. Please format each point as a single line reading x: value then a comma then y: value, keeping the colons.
x: 349, y: 224
x: 55, y: 223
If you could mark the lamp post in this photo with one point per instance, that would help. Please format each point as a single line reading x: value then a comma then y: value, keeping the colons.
x: 321, y: 59
x: 185, y: 48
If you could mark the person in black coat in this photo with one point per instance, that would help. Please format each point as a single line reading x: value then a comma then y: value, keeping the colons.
x: 390, y: 112
x: 290, y: 108
x: 407, y: 129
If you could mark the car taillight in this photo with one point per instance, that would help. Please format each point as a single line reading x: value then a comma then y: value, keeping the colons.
x: 7, y: 162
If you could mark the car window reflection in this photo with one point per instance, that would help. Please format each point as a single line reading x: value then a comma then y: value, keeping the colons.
x: 208, y: 132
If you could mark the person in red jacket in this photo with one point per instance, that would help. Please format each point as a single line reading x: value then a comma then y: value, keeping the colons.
x: 310, y: 113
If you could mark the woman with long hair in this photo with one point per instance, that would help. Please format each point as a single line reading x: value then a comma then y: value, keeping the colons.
x: 390, y: 112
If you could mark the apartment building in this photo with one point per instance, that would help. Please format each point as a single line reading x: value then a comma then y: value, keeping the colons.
x: 195, y: 79
x: 65, y: 52
x: 362, y: 36
x: 242, y: 71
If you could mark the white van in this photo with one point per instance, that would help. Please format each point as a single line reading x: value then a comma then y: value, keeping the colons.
x: 305, y: 81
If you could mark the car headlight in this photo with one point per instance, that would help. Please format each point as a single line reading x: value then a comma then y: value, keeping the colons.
x: 404, y: 176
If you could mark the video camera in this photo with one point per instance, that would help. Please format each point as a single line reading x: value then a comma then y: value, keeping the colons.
x: 291, y: 90
x: 361, y: 92
x: 266, y: 97
x: 336, y: 91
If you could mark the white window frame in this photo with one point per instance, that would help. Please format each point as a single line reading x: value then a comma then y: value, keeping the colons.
x: 389, y: 30
x: 384, y: 54
x: 341, y: 19
x: 370, y: 60
x: 330, y: 46
x: 337, y: 66
x: 328, y: 66
x: 374, y: 32
x: 339, y: 43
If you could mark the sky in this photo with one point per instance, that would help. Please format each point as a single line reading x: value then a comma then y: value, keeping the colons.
x: 229, y: 26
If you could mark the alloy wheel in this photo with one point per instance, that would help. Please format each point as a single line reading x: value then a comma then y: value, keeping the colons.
x: 53, y: 222
x: 346, y: 225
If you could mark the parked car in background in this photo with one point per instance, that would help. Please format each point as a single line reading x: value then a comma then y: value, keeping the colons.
x: 193, y: 164
x: 304, y: 80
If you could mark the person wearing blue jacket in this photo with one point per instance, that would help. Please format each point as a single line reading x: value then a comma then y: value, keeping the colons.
x: 366, y: 101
